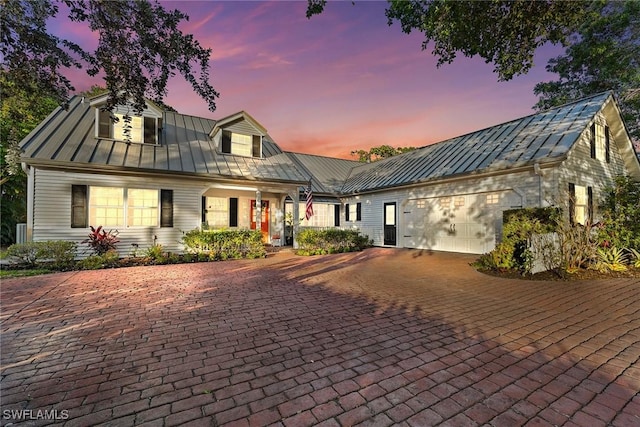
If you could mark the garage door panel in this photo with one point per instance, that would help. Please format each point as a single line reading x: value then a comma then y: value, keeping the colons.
x: 453, y: 223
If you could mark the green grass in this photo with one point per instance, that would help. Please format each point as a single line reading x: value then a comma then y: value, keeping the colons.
x: 7, y: 274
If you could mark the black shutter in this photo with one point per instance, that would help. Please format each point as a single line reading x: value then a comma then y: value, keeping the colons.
x: 572, y: 202
x: 203, y: 218
x: 150, y: 130
x: 590, y: 205
x: 257, y: 142
x: 104, y: 124
x: 359, y: 212
x: 166, y: 208
x: 78, y: 206
x: 607, y: 144
x: 226, y: 141
x: 346, y: 212
x: 592, y: 141
x: 233, y: 212
x: 336, y: 215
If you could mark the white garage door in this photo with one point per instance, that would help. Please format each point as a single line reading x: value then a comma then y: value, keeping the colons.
x: 453, y: 223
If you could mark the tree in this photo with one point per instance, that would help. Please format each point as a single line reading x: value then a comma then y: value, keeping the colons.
x: 379, y: 153
x: 505, y: 33
x: 139, y: 48
x: 22, y: 108
x: 603, y: 55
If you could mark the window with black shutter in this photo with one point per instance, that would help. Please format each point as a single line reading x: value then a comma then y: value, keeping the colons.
x: 590, y: 204
x: 226, y: 141
x: 150, y: 130
x: 257, y: 146
x: 203, y: 210
x: 359, y: 212
x: 346, y: 212
x: 79, y: 206
x: 233, y: 212
x: 592, y: 141
x: 572, y: 202
x: 104, y: 124
x: 336, y: 215
x: 166, y: 208
x: 607, y: 144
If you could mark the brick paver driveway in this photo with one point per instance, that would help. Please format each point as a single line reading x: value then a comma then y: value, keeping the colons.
x: 382, y: 337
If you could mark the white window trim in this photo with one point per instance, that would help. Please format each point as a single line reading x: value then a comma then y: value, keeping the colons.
x: 125, y: 208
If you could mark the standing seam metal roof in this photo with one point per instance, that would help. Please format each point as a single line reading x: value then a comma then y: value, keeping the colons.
x: 67, y: 137
x: 541, y: 137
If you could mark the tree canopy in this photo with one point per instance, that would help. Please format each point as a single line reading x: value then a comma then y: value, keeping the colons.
x: 379, y: 153
x: 139, y: 48
x: 504, y: 33
x: 604, y: 54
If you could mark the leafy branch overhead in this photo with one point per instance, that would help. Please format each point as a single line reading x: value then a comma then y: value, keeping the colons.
x: 504, y: 33
x: 139, y: 48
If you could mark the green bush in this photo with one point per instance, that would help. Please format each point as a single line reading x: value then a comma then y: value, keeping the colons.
x: 24, y: 253
x: 225, y: 244
x: 330, y: 241
x: 96, y: 262
x: 59, y: 253
x: 620, y: 225
x: 518, y: 227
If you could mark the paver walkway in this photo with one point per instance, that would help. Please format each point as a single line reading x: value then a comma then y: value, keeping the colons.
x: 383, y: 337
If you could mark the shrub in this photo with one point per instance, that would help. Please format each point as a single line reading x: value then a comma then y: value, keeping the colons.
x: 224, y: 244
x: 620, y: 225
x: 156, y: 254
x: 101, y: 241
x: 25, y: 253
x: 96, y: 262
x: 59, y: 253
x: 329, y: 241
x: 611, y: 259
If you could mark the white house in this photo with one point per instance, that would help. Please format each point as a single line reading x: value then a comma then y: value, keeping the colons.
x: 171, y: 173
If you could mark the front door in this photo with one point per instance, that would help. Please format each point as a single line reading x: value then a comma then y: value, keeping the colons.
x: 264, y: 220
x: 390, y: 224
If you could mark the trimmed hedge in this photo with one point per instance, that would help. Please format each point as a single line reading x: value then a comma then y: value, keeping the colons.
x: 225, y: 244
x: 57, y: 254
x: 330, y: 241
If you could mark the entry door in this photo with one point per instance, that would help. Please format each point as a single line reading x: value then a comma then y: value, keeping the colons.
x: 264, y: 220
x: 390, y: 224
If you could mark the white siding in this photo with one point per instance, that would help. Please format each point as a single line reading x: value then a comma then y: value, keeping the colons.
x: 516, y: 190
x: 581, y: 169
x: 52, y: 209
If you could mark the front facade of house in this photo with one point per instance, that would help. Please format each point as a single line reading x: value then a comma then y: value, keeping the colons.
x: 168, y: 173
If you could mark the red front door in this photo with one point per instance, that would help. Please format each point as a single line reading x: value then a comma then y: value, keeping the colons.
x: 264, y: 221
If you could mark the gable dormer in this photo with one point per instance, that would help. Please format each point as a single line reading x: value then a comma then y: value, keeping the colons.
x: 145, y: 128
x: 240, y: 135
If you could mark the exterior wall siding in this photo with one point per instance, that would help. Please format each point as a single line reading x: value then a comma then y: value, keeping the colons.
x: 581, y: 169
x: 521, y: 189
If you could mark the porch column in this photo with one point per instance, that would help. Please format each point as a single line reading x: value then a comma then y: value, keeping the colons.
x: 295, y: 196
x: 258, y: 210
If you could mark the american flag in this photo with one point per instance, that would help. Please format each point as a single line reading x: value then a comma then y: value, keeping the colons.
x: 308, y: 213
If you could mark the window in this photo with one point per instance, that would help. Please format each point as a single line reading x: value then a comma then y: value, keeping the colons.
x: 117, y: 207
x: 142, y: 208
x: 106, y: 206
x: 493, y: 199
x: 458, y: 202
x: 445, y: 202
x: 600, y: 142
x: 241, y: 145
x: 580, y: 204
x: 217, y: 212
x: 140, y: 129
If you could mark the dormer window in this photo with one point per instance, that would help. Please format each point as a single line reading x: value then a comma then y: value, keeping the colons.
x: 241, y: 145
x: 141, y: 129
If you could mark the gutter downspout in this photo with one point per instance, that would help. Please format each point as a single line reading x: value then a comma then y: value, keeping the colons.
x: 540, y: 174
x: 30, y: 172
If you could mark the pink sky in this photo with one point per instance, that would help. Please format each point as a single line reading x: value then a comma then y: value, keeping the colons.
x: 340, y: 81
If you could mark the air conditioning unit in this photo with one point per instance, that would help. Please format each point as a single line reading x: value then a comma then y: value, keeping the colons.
x: 21, y: 233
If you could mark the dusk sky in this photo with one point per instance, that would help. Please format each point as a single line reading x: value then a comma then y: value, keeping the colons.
x: 341, y: 81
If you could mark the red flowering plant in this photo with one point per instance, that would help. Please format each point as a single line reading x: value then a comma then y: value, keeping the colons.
x: 101, y: 241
